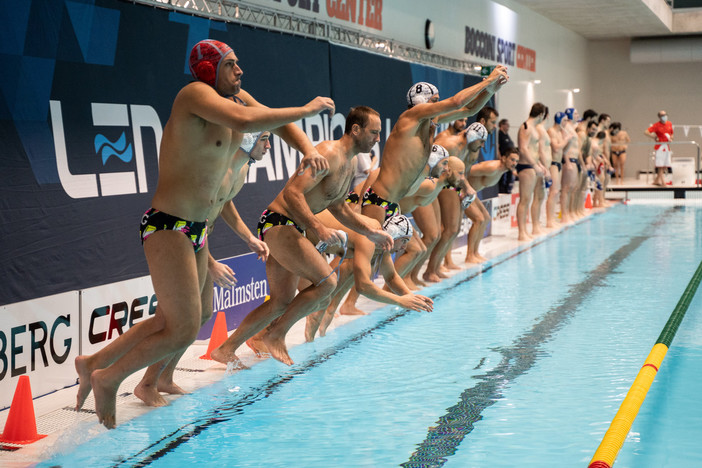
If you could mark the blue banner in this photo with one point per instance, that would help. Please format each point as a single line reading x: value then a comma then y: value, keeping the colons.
x: 85, y: 90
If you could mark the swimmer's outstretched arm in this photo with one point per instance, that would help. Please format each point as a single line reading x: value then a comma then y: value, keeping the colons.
x: 203, y: 101
x: 475, y: 97
x: 297, y: 139
x: 365, y: 286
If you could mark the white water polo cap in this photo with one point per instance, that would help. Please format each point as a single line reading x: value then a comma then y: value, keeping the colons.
x: 399, y: 227
x: 249, y: 141
x: 438, y: 154
x: 476, y: 131
x: 421, y: 93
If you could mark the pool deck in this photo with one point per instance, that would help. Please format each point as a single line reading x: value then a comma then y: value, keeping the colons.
x: 56, y: 417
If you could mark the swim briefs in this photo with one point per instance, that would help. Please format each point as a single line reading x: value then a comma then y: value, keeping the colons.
x: 271, y: 218
x: 372, y: 198
x: 154, y: 220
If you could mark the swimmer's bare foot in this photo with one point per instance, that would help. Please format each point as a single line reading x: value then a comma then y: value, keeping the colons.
x: 536, y: 232
x: 170, y: 387
x: 149, y: 395
x: 441, y: 274
x: 431, y: 277
x: 524, y: 237
x: 350, y: 309
x: 481, y: 258
x: 410, y: 284
x: 473, y: 259
x: 83, y: 368
x: 448, y: 263
x: 277, y: 348
x: 235, y: 366
x: 257, y: 345
x: 105, y: 398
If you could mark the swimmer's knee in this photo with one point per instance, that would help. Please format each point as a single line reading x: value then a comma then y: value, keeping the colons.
x: 450, y: 232
x: 430, y: 238
x: 183, y: 333
x: 327, y: 287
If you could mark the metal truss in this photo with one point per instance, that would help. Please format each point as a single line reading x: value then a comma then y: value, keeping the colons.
x: 280, y: 21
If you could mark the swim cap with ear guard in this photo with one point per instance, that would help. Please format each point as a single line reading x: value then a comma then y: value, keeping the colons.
x: 205, y: 57
x: 438, y: 153
x: 476, y: 131
x: 398, y: 227
x: 558, y: 117
x: 570, y: 113
x: 249, y: 141
x: 421, y: 93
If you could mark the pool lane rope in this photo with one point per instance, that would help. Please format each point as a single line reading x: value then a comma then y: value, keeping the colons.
x: 621, y: 424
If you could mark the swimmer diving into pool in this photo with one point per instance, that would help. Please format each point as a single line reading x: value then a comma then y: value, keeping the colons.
x: 203, y: 132
x: 408, y: 146
x: 293, y: 256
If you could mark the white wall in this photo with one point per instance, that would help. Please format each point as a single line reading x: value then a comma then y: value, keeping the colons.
x: 634, y: 93
x: 561, y: 55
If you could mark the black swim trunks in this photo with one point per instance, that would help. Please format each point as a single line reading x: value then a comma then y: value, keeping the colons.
x: 576, y: 161
x: 557, y: 164
x: 154, y: 220
x: 271, y: 218
x: 521, y: 167
x: 372, y: 198
x: 353, y: 197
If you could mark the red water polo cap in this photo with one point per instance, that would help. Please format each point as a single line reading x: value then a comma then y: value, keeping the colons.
x: 205, y: 58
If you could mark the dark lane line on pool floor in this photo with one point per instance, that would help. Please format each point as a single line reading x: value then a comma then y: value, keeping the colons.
x: 444, y: 438
x: 226, y: 412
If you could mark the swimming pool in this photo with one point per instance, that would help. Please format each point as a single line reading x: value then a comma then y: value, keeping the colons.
x: 522, y: 363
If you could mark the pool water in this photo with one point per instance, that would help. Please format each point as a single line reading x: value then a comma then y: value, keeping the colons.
x: 522, y: 363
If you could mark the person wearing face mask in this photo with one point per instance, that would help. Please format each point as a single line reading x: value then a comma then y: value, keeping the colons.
x: 619, y: 141
x: 662, y: 132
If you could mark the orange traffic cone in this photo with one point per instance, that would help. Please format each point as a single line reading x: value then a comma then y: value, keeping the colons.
x: 219, y: 335
x: 21, y: 425
x: 588, y: 201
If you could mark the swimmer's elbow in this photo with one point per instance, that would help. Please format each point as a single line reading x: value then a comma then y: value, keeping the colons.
x: 243, y: 124
x: 456, y: 102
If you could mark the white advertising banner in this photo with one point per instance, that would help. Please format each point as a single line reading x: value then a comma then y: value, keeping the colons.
x: 39, y: 338
x: 110, y: 310
x: 501, y: 214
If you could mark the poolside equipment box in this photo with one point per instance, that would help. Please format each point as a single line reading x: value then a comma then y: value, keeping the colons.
x: 683, y: 171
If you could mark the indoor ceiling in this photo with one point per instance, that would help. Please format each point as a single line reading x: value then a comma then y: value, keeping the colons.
x: 609, y: 19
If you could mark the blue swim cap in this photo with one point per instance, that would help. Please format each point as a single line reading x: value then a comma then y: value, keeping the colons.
x: 558, y: 117
x: 570, y: 113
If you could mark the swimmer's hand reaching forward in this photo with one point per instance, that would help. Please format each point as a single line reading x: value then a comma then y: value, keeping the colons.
x: 416, y: 302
